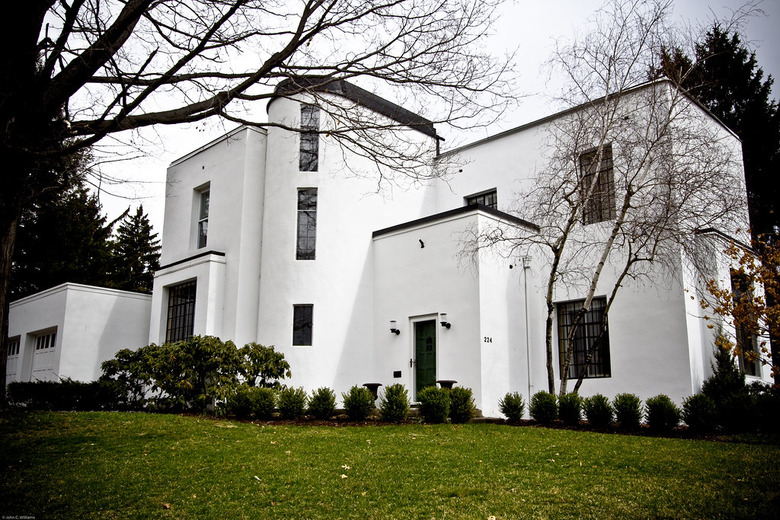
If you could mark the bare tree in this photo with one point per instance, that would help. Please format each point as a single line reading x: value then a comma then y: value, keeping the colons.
x: 77, y: 71
x: 633, y: 170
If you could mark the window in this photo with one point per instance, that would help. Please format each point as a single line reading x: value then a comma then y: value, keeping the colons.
x: 14, y: 345
x: 587, y: 332
x: 487, y: 198
x: 203, y: 216
x: 303, y: 324
x: 181, y: 312
x: 307, y: 224
x: 598, y: 205
x: 747, y: 343
x: 310, y: 138
x: 45, y: 341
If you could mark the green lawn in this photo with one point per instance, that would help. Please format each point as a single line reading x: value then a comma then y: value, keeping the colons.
x: 123, y: 465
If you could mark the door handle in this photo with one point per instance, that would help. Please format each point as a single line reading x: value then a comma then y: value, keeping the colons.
x: 412, y: 362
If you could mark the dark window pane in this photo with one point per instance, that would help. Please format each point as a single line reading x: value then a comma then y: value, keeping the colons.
x: 303, y: 323
x: 310, y: 141
x: 181, y: 312
x: 598, y: 205
x: 307, y: 224
x: 587, y: 333
x: 488, y: 199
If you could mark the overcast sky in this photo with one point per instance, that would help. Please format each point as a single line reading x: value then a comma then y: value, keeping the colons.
x: 531, y: 26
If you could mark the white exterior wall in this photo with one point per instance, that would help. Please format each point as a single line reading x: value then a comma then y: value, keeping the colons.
x: 339, y: 281
x: 227, y: 286
x: 91, y: 325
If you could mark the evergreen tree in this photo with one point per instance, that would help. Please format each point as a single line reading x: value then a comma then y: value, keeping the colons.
x: 136, y: 253
x: 725, y: 77
x: 63, y: 237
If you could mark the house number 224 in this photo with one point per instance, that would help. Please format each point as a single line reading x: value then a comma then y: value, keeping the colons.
x: 487, y: 339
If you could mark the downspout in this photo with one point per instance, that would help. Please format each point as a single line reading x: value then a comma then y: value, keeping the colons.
x: 526, y: 267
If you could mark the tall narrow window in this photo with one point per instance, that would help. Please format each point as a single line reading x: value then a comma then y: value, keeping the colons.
x: 203, y: 217
x: 487, y: 198
x: 181, y: 312
x: 596, y: 171
x: 307, y: 223
x: 310, y: 138
x: 588, y: 330
x: 303, y: 324
x: 747, y: 343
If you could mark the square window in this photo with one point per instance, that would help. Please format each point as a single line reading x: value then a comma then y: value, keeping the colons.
x: 303, y: 324
x: 14, y: 346
x: 588, y: 331
x: 45, y: 341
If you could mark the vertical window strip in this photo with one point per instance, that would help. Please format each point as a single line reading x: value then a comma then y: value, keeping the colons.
x: 203, y: 217
x: 181, y: 312
x: 586, y: 333
x: 746, y: 342
x: 600, y: 205
x: 310, y: 139
x: 303, y: 325
x: 307, y: 224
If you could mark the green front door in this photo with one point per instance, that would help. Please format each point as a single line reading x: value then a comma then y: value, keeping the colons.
x: 425, y: 352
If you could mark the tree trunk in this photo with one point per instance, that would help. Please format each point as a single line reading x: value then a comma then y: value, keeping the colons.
x: 7, y: 241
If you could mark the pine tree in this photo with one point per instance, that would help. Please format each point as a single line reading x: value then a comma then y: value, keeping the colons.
x: 62, y: 238
x: 136, y: 253
x: 725, y: 78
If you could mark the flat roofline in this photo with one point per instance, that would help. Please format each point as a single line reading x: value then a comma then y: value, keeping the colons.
x: 215, y: 142
x: 455, y: 212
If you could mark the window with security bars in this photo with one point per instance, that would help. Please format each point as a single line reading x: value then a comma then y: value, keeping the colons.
x: 487, y: 198
x: 747, y: 343
x: 303, y: 324
x: 181, y: 312
x: 310, y: 138
x: 14, y: 346
x: 588, y: 330
x: 596, y: 172
x: 45, y: 341
x: 307, y: 224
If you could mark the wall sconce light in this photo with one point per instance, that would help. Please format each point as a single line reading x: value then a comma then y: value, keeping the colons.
x: 394, y: 328
x: 444, y: 322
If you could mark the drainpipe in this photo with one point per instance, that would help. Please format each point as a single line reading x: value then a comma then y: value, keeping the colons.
x: 526, y: 267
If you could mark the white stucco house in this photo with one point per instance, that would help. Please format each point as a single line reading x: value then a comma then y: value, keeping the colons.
x: 282, y: 237
x: 69, y: 330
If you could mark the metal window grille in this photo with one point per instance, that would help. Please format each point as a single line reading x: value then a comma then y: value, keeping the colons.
x: 181, y: 312
x: 310, y: 140
x: 587, y: 332
x: 307, y: 224
x: 595, y: 167
x: 303, y: 324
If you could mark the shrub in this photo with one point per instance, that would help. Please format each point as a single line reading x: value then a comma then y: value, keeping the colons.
x: 322, y: 403
x: 434, y: 404
x: 628, y: 411
x: 263, y: 402
x: 262, y: 366
x: 240, y: 404
x: 699, y: 413
x: 543, y: 407
x: 66, y: 395
x: 598, y: 411
x: 570, y: 409
x: 358, y: 403
x: 738, y: 412
x: 768, y: 406
x: 512, y: 406
x: 461, y: 405
x: 292, y: 403
x: 394, y: 404
x: 662, y: 414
